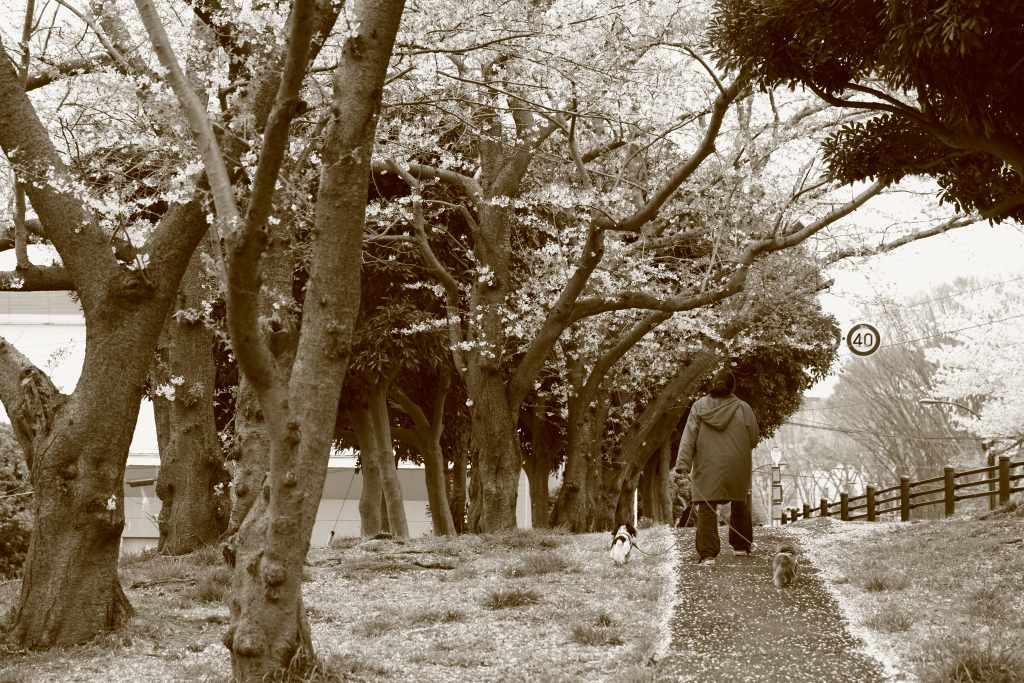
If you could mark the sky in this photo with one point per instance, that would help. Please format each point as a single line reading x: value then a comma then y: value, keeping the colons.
x: 979, y: 249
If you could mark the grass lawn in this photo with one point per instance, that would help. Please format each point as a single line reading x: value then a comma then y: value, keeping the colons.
x: 937, y: 601
x: 527, y: 606
x: 934, y: 601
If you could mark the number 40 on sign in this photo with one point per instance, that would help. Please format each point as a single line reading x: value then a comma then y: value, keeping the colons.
x: 863, y: 339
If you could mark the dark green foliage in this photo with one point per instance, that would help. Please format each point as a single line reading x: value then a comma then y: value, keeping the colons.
x: 946, y: 77
x: 891, y: 147
x: 15, y: 504
x: 773, y: 379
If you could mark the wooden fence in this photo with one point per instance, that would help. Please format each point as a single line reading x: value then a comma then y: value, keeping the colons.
x: 998, y: 480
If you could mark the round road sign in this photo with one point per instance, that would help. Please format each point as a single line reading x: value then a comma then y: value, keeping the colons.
x: 863, y: 339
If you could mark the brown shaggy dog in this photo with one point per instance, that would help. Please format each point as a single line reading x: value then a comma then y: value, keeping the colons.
x: 785, y: 564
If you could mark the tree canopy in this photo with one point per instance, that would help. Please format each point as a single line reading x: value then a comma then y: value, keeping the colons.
x: 944, y: 79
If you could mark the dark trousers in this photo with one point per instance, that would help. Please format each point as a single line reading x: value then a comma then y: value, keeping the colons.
x: 741, y: 530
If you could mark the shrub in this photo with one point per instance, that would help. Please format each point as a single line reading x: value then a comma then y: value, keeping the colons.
x: 875, y: 580
x: 963, y: 660
x: 503, y: 598
x: 15, y: 505
x: 375, y: 626
x: 538, y: 562
x: 889, y: 620
x: 214, y: 585
x: 206, y: 556
x: 588, y: 634
x: 435, y: 616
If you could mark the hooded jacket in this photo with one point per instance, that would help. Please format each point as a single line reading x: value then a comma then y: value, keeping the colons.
x: 717, y: 440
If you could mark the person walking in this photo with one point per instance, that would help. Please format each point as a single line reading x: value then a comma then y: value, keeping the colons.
x: 717, y: 441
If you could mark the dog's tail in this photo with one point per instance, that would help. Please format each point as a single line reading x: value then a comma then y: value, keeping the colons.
x: 787, y: 547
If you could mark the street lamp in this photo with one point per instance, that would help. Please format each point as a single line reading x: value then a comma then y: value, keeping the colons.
x: 935, y: 401
x: 776, y: 482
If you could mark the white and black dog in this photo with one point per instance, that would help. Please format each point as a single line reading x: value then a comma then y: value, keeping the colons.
x: 623, y: 540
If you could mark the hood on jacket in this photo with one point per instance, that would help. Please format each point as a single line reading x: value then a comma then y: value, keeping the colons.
x: 717, y: 412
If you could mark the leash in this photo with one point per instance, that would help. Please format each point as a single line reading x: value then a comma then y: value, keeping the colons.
x: 662, y: 552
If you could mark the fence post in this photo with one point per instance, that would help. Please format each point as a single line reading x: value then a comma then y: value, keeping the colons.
x: 844, y: 506
x: 950, y: 491
x: 807, y: 511
x: 783, y: 517
x: 1004, y: 479
x: 793, y: 514
x: 904, y: 498
x: 824, y: 504
x: 871, y: 503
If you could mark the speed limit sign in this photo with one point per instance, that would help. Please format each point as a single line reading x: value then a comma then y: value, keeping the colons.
x: 862, y: 339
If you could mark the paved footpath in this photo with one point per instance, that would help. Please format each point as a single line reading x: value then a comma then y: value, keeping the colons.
x: 732, y: 624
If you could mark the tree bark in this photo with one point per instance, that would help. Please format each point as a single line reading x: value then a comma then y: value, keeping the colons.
x: 428, y: 443
x: 372, y: 426
x: 580, y: 507
x: 268, y: 625
x: 495, y: 474
x: 192, y: 514
x: 538, y: 465
x: 654, y: 482
x: 69, y: 589
x: 458, y: 491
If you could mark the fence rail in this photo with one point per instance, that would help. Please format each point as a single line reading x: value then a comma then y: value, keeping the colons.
x: 999, y: 481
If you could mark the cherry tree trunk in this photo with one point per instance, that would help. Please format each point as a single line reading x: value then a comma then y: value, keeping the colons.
x: 192, y: 513
x: 249, y: 455
x: 372, y: 511
x: 426, y: 438
x: 372, y: 426
x: 495, y: 473
x: 579, y: 500
x: 268, y: 628
x: 545, y: 443
x: 437, y: 496
x: 457, y: 485
x: 70, y: 590
x: 654, y: 490
x: 538, y: 469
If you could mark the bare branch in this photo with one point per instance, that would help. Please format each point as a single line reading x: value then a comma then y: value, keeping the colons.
x: 209, y: 149
x: 104, y: 41
x: 453, y: 302
x: 36, y: 279
x: 945, y: 226
x: 55, y: 72
x: 469, y: 186
x: 706, y: 147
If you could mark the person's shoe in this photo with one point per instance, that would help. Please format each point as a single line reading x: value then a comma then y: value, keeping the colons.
x: 741, y: 552
x: 707, y: 562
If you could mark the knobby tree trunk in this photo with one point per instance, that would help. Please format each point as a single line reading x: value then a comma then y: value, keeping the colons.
x: 79, y: 512
x: 77, y: 446
x: 268, y: 626
x: 250, y: 453
x: 193, y: 513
